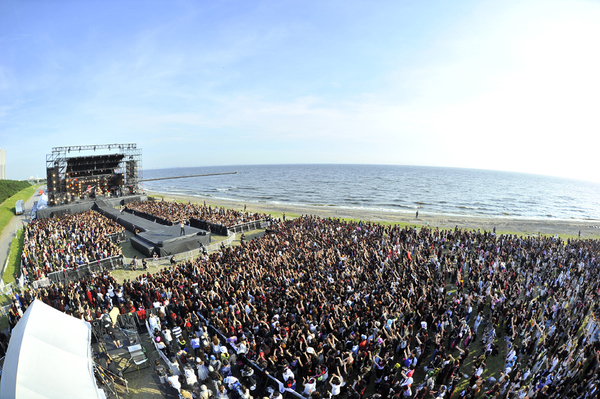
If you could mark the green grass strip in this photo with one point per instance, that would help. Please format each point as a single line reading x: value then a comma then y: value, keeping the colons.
x: 7, y: 209
x: 14, y: 258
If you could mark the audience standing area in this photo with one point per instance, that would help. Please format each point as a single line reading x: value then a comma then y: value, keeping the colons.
x: 49, y: 356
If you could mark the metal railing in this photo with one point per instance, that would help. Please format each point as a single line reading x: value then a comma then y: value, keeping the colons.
x: 116, y: 238
x: 66, y: 275
x: 41, y: 283
x: 246, y: 226
x: 226, y: 242
x: 266, y: 379
x: 4, y: 310
x: 165, y: 261
x: 7, y: 289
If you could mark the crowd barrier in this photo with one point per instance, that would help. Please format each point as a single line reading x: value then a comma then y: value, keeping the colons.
x: 41, y: 283
x: 117, y: 238
x: 147, y: 216
x: 263, y: 379
x: 4, y: 310
x: 225, y: 243
x: 217, y: 229
x: 214, y: 228
x: 165, y: 261
x: 7, y: 289
x: 67, y: 275
x: 247, y: 226
x: 138, y: 321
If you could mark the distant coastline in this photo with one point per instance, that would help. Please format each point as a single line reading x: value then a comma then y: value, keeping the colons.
x: 589, y: 229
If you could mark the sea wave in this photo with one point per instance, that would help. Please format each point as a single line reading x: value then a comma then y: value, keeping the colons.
x: 391, y: 188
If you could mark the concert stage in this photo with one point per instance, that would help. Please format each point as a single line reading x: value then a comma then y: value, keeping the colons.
x: 154, y: 237
x: 81, y: 206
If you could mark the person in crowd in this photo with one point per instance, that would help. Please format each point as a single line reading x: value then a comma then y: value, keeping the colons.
x: 161, y: 372
x: 173, y: 381
x: 67, y: 242
x: 351, y: 300
x: 179, y: 212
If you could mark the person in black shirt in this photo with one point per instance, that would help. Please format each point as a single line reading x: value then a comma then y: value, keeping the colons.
x: 160, y: 371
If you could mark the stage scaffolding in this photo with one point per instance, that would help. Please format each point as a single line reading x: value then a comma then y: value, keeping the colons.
x: 80, y: 172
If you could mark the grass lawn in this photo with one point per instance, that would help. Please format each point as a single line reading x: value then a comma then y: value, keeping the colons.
x: 14, y: 258
x: 7, y: 209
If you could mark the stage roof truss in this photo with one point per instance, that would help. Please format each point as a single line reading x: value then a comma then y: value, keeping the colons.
x: 65, y: 164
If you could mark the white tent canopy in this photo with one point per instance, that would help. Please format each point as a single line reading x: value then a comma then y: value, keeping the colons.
x: 49, y: 356
x: 42, y: 202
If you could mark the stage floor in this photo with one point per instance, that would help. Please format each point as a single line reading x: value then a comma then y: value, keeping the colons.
x: 81, y: 206
x: 157, y: 238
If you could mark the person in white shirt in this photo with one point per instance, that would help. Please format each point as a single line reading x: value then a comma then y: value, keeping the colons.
x: 287, y: 374
x: 222, y: 393
x: 154, y: 323
x: 242, y: 347
x: 408, y: 379
x: 205, y: 393
x: 336, y: 385
x: 173, y: 380
x: 309, y: 386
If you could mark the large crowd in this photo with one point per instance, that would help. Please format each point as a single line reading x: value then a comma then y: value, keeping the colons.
x: 66, y: 242
x: 361, y: 310
x: 176, y: 212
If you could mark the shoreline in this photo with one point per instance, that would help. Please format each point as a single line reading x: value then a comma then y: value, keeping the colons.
x: 589, y: 229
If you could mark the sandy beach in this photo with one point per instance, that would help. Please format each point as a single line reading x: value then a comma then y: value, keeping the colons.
x: 589, y: 229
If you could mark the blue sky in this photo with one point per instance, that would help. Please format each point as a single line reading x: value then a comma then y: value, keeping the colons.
x: 510, y: 85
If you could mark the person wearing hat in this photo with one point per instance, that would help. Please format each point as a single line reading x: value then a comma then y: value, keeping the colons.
x: 205, y: 393
x: 161, y: 346
x: 215, y: 363
x: 202, y: 369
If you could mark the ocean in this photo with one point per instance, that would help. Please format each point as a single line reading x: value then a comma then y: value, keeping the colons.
x: 390, y: 188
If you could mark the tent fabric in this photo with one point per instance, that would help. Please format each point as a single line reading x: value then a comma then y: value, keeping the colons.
x: 49, y: 356
x: 42, y: 202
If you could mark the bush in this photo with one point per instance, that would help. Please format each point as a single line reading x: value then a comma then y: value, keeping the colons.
x: 8, y: 188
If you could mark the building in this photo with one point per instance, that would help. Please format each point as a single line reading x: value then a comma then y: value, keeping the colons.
x: 2, y: 164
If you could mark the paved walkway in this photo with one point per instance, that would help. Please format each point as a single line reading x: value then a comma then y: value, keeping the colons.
x: 11, y: 228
